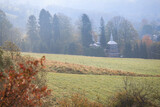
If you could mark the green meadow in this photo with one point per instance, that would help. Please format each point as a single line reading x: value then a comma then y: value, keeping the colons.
x: 98, y: 87
x: 141, y: 66
x: 93, y: 86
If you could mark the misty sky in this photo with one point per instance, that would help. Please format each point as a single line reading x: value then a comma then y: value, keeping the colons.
x: 98, y: 5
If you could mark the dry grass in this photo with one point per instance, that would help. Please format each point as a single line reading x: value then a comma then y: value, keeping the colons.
x: 139, y: 66
x: 64, y: 67
x: 78, y: 100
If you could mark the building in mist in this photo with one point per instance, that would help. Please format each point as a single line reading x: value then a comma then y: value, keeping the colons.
x: 96, y: 40
x: 112, y: 48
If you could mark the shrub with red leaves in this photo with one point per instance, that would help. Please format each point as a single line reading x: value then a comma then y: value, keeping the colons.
x: 17, y: 87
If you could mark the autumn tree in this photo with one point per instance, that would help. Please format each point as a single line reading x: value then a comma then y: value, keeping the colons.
x: 148, y: 42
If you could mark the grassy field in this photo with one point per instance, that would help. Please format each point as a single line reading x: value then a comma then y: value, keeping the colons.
x: 98, y: 86
x: 141, y: 66
x: 102, y: 86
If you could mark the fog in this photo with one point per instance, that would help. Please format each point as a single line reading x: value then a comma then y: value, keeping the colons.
x: 80, y: 53
x: 121, y: 6
x: 134, y: 10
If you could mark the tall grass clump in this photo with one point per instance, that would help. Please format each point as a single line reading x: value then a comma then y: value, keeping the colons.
x: 137, y: 94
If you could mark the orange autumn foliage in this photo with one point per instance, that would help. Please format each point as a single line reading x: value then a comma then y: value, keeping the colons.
x: 147, y: 40
x: 17, y: 88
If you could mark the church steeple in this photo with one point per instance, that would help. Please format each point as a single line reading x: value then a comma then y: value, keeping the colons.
x: 112, y: 48
x: 111, y: 38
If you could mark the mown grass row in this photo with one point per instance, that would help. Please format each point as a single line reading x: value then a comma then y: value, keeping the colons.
x: 64, y: 67
x: 140, y: 66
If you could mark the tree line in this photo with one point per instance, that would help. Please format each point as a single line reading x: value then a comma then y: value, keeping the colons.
x: 7, y: 31
x: 56, y: 34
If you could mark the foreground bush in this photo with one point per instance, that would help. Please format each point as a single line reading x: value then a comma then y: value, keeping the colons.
x: 18, y: 88
x: 9, y: 53
x: 11, y: 48
x: 78, y: 100
x: 1, y: 59
x: 134, y: 94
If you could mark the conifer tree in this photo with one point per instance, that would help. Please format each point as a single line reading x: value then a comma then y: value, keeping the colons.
x: 143, y: 50
x: 102, y: 35
x: 136, y: 51
x: 32, y: 32
x: 86, y: 31
x: 32, y: 28
x: 56, y: 28
x: 45, y: 30
x: 128, y: 50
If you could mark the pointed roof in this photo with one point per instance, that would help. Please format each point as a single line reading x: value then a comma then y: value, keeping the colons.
x: 111, y: 40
